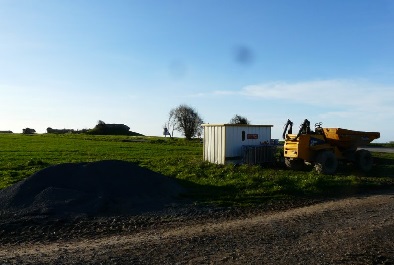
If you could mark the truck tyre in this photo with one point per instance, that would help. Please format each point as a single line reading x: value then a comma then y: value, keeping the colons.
x: 364, y: 160
x: 326, y: 162
x: 294, y: 164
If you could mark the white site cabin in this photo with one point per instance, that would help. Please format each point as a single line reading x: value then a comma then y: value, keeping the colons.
x: 223, y: 142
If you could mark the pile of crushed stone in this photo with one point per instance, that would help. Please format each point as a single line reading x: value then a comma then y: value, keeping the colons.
x: 90, y: 189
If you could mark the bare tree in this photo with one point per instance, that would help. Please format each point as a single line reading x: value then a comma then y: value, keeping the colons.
x: 238, y: 119
x: 186, y: 120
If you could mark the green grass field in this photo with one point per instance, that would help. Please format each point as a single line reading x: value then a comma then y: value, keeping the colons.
x: 23, y: 155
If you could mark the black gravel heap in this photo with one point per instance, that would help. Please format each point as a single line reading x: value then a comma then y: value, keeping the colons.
x: 89, y: 189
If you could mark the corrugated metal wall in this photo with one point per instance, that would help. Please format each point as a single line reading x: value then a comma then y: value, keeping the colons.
x: 214, y: 144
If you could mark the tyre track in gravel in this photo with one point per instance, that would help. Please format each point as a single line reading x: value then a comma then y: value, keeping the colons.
x: 356, y: 230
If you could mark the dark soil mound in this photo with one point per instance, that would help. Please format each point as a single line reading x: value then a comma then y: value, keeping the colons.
x: 92, y: 189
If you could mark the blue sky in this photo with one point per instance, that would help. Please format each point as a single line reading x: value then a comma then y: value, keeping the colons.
x: 70, y: 63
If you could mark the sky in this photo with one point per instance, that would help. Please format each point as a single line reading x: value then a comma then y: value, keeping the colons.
x: 70, y: 63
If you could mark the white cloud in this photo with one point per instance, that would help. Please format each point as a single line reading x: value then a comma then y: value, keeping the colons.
x: 323, y: 92
x: 351, y: 97
x: 224, y: 92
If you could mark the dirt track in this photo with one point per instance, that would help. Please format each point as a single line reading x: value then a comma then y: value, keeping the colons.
x: 379, y: 149
x: 358, y: 230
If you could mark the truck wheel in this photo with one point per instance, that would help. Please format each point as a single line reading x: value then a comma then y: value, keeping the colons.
x: 294, y: 164
x: 326, y: 163
x: 364, y: 160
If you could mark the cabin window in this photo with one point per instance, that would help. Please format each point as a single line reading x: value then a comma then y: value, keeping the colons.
x: 243, y: 135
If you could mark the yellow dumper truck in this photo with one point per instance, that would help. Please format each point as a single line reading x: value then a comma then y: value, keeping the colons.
x: 323, y: 147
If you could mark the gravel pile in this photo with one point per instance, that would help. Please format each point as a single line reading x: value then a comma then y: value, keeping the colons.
x: 89, y: 189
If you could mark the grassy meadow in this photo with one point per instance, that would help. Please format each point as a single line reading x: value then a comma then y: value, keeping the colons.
x: 23, y: 155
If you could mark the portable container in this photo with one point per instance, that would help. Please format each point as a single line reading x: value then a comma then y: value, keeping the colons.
x: 223, y: 142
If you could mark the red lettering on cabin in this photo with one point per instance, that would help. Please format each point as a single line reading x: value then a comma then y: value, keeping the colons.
x: 252, y: 136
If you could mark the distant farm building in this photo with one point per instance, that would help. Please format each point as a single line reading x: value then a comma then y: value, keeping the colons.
x: 28, y: 131
x: 118, y: 127
x: 112, y: 129
x: 59, y: 131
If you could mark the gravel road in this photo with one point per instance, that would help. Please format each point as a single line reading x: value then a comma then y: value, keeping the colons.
x: 356, y: 230
x: 379, y: 149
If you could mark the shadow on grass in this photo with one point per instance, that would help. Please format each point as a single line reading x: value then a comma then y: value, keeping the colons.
x: 231, y: 195
x: 208, y: 194
x: 384, y: 166
x: 298, y: 185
